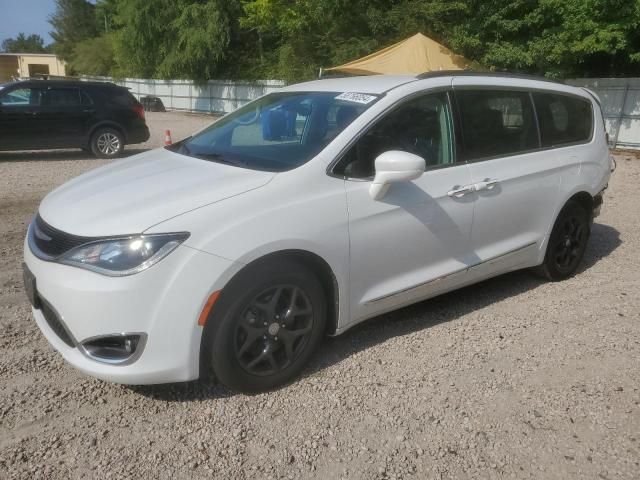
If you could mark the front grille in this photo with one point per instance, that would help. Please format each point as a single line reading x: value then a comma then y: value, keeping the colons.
x: 51, y: 241
x: 54, y: 322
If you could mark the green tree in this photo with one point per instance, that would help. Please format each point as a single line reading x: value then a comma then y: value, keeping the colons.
x: 173, y: 38
x: 95, y: 56
x: 106, y: 12
x: 300, y: 36
x: 292, y: 39
x: 558, y: 38
x: 24, y: 44
x: 73, y: 22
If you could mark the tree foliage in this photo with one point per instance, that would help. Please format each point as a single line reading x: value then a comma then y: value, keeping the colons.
x: 172, y: 38
x: 95, y: 56
x: 24, y: 44
x: 292, y: 39
x: 73, y: 22
x: 554, y: 37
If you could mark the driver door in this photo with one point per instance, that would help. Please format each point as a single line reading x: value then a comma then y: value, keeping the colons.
x: 414, y: 242
x: 21, y: 125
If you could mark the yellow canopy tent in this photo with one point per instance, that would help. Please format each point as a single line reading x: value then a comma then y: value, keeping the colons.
x: 417, y: 54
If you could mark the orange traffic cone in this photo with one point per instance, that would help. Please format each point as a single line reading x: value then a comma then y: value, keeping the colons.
x: 167, y: 137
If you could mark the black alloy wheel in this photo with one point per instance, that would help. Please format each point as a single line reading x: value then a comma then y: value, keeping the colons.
x: 273, y: 330
x: 567, y: 243
x: 265, y: 326
x: 568, y: 246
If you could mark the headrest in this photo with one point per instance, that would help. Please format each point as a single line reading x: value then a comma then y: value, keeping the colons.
x: 277, y: 123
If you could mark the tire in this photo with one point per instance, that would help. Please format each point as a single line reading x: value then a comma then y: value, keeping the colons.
x: 265, y: 326
x: 107, y: 143
x: 567, y: 243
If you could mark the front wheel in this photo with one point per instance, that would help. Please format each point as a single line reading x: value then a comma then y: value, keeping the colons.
x: 267, y: 325
x: 567, y: 243
x: 107, y: 143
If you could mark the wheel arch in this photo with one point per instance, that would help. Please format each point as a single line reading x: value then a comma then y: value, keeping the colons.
x: 319, y: 266
x: 580, y: 195
x: 585, y: 199
x: 314, y: 262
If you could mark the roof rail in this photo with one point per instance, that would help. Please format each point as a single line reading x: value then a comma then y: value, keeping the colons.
x: 472, y: 73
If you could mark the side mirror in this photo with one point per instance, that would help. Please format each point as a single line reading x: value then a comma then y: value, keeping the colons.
x: 394, y: 166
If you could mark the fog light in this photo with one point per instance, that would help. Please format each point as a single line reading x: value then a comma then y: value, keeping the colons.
x: 118, y: 349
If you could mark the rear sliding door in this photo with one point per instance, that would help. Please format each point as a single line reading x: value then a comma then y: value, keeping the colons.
x: 517, y: 183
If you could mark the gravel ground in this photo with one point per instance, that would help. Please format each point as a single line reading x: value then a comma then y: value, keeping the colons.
x: 510, y: 378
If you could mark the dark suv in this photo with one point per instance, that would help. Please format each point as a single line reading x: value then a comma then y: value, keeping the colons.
x: 95, y: 116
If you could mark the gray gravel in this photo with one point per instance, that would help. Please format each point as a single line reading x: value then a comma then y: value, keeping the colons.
x: 511, y: 378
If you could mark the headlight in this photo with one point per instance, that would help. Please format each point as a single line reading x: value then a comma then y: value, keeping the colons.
x: 118, y: 257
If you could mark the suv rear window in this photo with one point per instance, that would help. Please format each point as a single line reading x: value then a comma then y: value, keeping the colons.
x: 563, y: 119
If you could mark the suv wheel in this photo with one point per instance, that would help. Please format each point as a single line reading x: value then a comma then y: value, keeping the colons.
x: 265, y: 327
x: 567, y: 243
x: 107, y: 143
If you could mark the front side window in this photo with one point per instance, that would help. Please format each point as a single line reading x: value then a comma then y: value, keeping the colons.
x: 496, y: 123
x: 278, y: 132
x: 421, y: 126
x: 21, y: 97
x: 563, y: 119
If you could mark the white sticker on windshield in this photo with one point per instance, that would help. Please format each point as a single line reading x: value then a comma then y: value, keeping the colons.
x: 356, y: 97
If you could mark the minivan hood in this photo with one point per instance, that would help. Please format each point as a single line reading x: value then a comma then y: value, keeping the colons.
x: 131, y: 195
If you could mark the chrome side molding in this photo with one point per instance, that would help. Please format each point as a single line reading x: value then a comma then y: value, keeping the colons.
x: 457, y: 272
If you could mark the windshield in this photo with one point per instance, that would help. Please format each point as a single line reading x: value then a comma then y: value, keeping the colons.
x: 278, y: 132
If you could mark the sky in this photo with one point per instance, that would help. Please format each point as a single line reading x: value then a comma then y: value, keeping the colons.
x: 27, y: 16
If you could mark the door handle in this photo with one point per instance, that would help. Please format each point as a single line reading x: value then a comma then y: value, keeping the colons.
x: 486, y: 184
x: 459, y: 192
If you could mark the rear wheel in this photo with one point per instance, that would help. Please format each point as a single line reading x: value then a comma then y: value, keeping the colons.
x: 107, y: 143
x: 267, y: 325
x: 567, y: 243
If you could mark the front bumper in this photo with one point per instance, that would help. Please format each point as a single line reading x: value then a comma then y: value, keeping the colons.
x: 163, y: 302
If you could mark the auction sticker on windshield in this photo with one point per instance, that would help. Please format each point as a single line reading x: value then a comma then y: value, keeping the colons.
x: 356, y: 97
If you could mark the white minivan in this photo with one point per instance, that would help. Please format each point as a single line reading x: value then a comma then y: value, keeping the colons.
x: 307, y: 211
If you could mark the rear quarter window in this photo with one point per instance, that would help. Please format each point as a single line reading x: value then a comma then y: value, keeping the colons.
x: 563, y: 119
x: 120, y: 96
x: 113, y: 96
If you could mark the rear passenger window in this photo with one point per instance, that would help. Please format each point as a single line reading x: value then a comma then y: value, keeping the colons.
x: 63, y: 97
x: 496, y: 123
x: 563, y: 119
